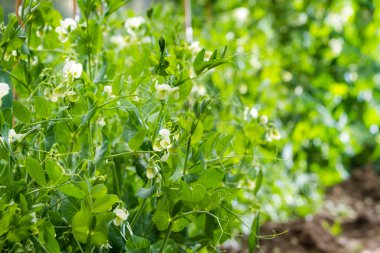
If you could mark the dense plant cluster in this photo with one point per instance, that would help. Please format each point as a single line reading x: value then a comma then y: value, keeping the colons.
x: 111, y: 142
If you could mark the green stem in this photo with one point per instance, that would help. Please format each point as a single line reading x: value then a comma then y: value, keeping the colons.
x: 5, y: 50
x: 128, y: 153
x: 116, y: 179
x: 89, y: 50
x: 167, y: 235
x: 138, y: 214
x: 29, y: 36
x: 158, y: 123
x: 187, y: 155
x: 88, y: 245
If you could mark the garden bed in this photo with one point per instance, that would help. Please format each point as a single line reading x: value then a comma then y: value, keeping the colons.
x: 349, y: 221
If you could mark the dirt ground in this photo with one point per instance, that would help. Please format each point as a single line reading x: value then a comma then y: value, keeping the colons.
x: 348, y: 223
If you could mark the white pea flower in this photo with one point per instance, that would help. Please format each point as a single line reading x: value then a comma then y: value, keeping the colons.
x: 134, y: 23
x: 146, y: 40
x: 65, y: 28
x: 195, y: 47
x: 254, y: 113
x: 108, y: 89
x: 121, y: 216
x: 119, y: 40
x: 40, y: 33
x: 158, y: 179
x: 58, y: 93
x: 69, y: 24
x: 164, y: 141
x: 61, y: 92
x: 199, y: 90
x: 13, y: 136
x: 135, y: 98
x: 174, y: 92
x: 336, y: 46
x: 241, y: 14
x: 165, y: 90
x: 165, y: 157
x: 162, y: 91
x: 157, y: 146
x: 276, y: 134
x: 101, y: 122
x: 4, y: 90
x: 165, y: 134
x: 151, y: 172
x: 72, y: 70
x: 263, y: 119
x: 273, y: 134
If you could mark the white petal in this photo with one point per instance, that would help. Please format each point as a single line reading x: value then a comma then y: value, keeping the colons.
x: 254, y: 113
x: 117, y: 221
x: 108, y: 89
x: 165, y: 133
x: 69, y: 24
x: 77, y: 70
x: 174, y: 92
x: 4, y: 89
x: 157, y: 146
x: 121, y: 213
x: 264, y: 119
x: 165, y: 144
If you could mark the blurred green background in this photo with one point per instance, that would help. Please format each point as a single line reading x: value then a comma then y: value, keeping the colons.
x: 311, y: 66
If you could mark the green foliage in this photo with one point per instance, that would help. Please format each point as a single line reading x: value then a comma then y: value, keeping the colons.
x: 107, y: 142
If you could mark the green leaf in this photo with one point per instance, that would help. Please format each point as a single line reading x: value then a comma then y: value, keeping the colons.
x: 146, y: 192
x: 118, y: 84
x: 47, y: 235
x: 180, y: 224
x: 10, y: 30
x: 55, y: 171
x: 81, y: 225
x: 199, y: 58
x: 21, y: 112
x: 137, y: 140
x: 224, y: 52
x: 104, y: 203
x: 214, y: 55
x: 7, y: 218
x: 192, y: 194
x: 210, y: 144
x: 42, y: 107
x: 253, y: 235
x: 197, y: 134
x: 101, y: 152
x: 34, y: 169
x: 211, y: 178
x: 223, y: 144
x: 161, y: 219
x: 98, y: 191
x: 1, y: 14
x: 100, y: 76
x: 137, y: 244
x: 71, y: 190
x: 259, y: 181
x: 200, y: 65
x: 50, y: 138
x: 99, y: 235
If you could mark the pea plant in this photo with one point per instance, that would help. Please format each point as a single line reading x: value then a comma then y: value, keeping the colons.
x: 110, y: 143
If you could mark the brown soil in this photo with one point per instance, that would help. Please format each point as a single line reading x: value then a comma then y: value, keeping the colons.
x: 352, y: 208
